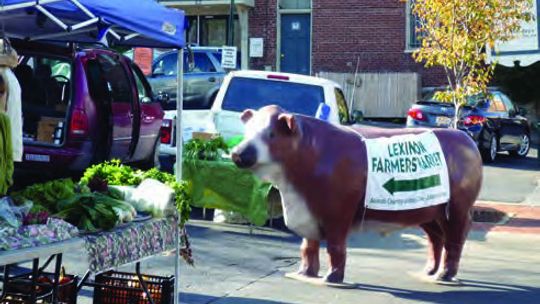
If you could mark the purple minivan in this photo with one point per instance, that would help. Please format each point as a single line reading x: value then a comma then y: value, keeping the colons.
x: 84, y: 106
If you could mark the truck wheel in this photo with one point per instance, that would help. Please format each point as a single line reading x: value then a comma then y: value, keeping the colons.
x: 523, y: 148
x: 490, y: 154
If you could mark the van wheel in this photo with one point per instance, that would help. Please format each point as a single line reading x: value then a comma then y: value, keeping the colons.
x: 153, y: 160
x: 490, y: 154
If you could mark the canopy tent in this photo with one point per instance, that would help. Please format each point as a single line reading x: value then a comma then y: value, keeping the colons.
x: 113, y: 22
x: 137, y: 23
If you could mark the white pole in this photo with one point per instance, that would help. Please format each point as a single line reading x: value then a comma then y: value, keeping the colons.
x: 179, y: 146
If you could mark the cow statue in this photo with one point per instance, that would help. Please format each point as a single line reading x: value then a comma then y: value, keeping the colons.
x: 321, y: 171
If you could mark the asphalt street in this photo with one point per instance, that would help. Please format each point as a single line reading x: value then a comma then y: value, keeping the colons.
x: 512, y: 180
x: 233, y: 266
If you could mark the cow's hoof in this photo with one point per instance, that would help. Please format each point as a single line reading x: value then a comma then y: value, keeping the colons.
x: 318, y: 281
x: 308, y: 273
x: 448, y: 281
x: 334, y: 277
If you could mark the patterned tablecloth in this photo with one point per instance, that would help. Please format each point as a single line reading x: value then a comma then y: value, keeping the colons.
x: 129, y: 243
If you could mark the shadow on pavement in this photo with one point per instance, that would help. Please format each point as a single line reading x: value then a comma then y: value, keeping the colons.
x: 194, y: 298
x: 491, y: 293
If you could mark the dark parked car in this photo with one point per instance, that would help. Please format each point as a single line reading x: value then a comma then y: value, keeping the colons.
x: 82, y: 106
x: 203, y: 76
x: 494, y: 122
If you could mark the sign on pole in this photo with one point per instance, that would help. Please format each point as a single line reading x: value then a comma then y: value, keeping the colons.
x: 228, y: 57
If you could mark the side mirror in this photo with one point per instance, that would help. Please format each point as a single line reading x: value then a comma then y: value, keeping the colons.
x: 357, y: 116
x: 163, y: 97
x: 523, y: 111
x: 146, y: 99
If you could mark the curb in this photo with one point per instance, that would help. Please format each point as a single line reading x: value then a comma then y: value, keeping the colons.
x: 519, y: 218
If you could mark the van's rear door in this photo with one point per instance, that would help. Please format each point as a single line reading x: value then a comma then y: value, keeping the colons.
x: 122, y: 111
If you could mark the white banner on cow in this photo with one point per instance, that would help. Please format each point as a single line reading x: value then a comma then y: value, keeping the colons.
x: 406, y: 172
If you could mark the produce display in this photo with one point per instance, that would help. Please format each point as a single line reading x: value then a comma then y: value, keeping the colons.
x: 113, y: 173
x: 92, y: 205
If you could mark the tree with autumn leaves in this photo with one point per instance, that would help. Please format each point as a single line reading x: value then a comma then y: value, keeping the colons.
x: 457, y: 36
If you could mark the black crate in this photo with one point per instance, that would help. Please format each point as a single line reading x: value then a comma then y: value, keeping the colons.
x: 18, y: 290
x: 113, y: 287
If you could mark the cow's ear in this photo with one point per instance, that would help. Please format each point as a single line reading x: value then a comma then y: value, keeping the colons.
x: 247, y: 115
x: 289, y: 121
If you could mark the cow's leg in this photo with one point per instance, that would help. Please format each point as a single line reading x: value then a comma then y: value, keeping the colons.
x: 456, y: 230
x: 309, y: 250
x: 436, y: 242
x: 337, y: 254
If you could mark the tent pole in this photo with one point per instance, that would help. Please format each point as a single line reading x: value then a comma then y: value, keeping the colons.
x: 179, y: 146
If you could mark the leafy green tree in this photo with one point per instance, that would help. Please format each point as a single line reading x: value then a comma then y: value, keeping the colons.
x: 455, y: 35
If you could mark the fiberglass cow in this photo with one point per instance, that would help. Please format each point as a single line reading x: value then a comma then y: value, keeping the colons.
x: 328, y: 174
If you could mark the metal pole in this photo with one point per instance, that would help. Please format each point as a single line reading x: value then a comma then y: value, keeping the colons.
x: 230, y: 37
x: 179, y: 147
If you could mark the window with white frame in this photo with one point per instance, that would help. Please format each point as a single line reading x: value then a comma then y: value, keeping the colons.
x: 294, y: 4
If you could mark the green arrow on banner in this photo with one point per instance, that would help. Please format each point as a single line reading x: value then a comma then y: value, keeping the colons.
x: 394, y: 185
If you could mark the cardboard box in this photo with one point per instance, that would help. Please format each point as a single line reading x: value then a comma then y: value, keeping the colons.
x: 46, y: 127
x: 204, y: 135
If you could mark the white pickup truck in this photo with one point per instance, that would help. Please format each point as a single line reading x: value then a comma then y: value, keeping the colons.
x: 241, y: 90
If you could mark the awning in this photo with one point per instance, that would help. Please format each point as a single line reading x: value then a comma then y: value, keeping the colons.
x: 120, y: 22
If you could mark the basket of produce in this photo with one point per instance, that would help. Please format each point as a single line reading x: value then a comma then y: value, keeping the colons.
x: 114, y: 287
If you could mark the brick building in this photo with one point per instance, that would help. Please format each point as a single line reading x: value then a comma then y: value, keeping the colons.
x: 318, y: 36
x: 338, y: 34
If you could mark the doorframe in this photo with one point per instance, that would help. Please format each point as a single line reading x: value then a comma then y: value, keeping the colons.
x: 278, y: 32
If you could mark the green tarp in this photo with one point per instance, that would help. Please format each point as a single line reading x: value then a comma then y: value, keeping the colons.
x: 221, y: 185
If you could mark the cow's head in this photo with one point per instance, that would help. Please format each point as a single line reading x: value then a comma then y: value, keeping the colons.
x: 270, y: 136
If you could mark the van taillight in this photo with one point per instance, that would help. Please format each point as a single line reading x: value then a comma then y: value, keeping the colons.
x: 79, y: 123
x: 165, y: 132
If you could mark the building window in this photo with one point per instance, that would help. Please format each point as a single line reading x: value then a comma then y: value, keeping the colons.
x: 212, y: 30
x: 295, y: 4
x: 413, y: 37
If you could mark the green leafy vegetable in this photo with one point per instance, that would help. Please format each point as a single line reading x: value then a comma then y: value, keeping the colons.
x: 205, y: 149
x: 47, y: 194
x: 113, y: 172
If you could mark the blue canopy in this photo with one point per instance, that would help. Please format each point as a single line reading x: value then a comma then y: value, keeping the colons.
x: 117, y: 22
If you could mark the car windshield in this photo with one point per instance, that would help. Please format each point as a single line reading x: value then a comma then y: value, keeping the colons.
x: 244, y: 93
x: 472, y: 100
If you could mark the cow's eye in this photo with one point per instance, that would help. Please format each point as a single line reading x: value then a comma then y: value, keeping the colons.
x: 271, y: 134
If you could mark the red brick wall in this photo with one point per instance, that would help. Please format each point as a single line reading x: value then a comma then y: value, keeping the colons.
x: 373, y: 31
x: 262, y: 24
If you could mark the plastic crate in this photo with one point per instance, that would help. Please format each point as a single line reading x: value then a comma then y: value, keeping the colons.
x: 115, y: 287
x: 19, y: 287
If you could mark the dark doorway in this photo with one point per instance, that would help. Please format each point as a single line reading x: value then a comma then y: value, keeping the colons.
x: 295, y: 43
